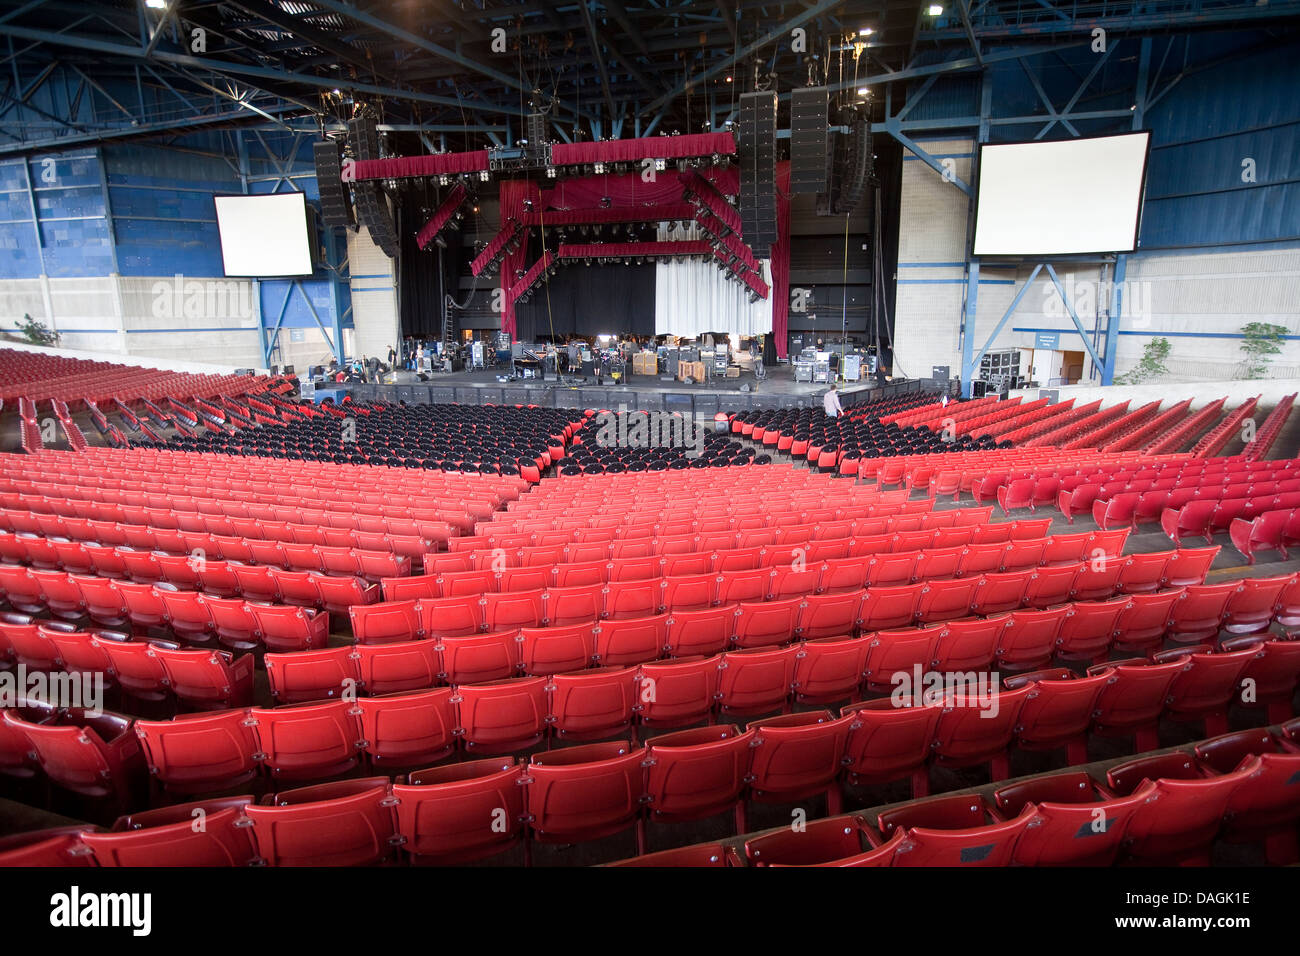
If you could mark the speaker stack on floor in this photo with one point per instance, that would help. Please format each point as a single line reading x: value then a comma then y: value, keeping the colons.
x: 758, y: 171
x: 809, y: 161
x: 373, y: 209
x: 335, y: 201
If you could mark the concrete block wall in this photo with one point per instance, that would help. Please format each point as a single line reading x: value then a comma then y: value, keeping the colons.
x: 374, y: 296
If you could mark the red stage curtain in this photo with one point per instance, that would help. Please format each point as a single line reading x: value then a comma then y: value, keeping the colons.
x: 530, y: 277
x: 434, y: 164
x: 513, y: 193
x: 441, y: 217
x: 508, y: 232
x: 780, y: 261
x: 632, y: 150
x: 574, y: 217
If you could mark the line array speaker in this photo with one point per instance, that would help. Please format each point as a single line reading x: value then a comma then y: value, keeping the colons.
x: 858, y: 164
x: 535, y: 128
x: 808, y: 140
x: 758, y: 170
x: 335, y: 203
x: 373, y: 209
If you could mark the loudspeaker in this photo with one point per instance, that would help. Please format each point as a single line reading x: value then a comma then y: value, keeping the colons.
x: 373, y: 210
x: 808, y: 140
x: 335, y: 202
x: 535, y: 129
x: 758, y: 170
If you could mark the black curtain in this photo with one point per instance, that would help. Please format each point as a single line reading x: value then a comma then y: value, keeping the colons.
x: 590, y: 300
x: 418, y: 280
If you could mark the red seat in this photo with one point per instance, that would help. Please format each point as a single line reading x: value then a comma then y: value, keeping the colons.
x: 187, y: 615
x: 700, y: 632
x: 892, y: 569
x: 1144, y: 573
x: 1077, y: 825
x: 308, y: 741
x: 1142, y: 624
x: 95, y: 756
x: 1251, y: 606
x: 390, y: 668
x: 462, y: 812
x: 945, y: 600
x: 169, y: 836
x: 798, y: 755
x: 556, y: 650
x: 200, y: 753
x: 955, y: 830
x: 345, y: 823
x: 584, y: 793
x: 1198, y: 614
x: 594, y: 703
x: 103, y: 602
x: 768, y: 623
x: 1264, y: 807
x: 830, y: 669
x: 135, y: 666
x: 1180, y: 819
x: 1206, y: 685
x: 282, y: 627
x: 386, y: 622
x: 689, y: 592
x: 976, y: 727
x: 1132, y: 700
x: 408, y: 729
x: 631, y: 641
x: 1029, y: 640
x: 836, y: 841
x: 886, y: 607
x: 475, y: 658
x: 143, y: 605
x: 208, y: 680
x: 697, y: 773
x: 1061, y: 549
x: 31, y: 643
x: 744, y: 585
x: 677, y: 692
x: 1272, y: 673
x: 1088, y: 628
x: 756, y: 680
x: 1058, y: 711
x: 1189, y: 566
x: 887, y: 742
x: 503, y: 716
x: 1050, y: 585
x: 894, y: 652
x: 312, y: 675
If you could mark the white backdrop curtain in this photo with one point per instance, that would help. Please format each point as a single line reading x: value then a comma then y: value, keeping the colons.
x: 694, y: 296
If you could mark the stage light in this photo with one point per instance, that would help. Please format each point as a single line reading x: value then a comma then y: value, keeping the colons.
x: 528, y: 205
x: 717, y: 157
x: 475, y: 207
x: 866, y: 32
x: 600, y: 169
x: 935, y: 10
x: 483, y: 175
x: 660, y: 165
x: 444, y: 180
x: 864, y: 91
x: 605, y: 202
x: 337, y: 91
x: 156, y: 4
x: 550, y: 172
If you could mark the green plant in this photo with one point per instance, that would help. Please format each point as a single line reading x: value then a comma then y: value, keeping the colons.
x: 37, y: 332
x: 1259, y: 341
x: 1152, y: 364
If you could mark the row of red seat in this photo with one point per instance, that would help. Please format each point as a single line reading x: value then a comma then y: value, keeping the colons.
x: 1269, y: 431
x: 1160, y: 809
x: 1269, y: 531
x: 1208, y: 518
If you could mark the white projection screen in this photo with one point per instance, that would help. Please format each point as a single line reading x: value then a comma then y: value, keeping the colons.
x: 265, y: 235
x: 1070, y: 196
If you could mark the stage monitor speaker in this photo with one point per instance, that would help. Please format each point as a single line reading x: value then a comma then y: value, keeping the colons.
x: 758, y: 170
x: 808, y: 139
x: 335, y: 202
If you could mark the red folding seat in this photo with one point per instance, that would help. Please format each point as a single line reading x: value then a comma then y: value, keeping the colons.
x: 169, y: 836
x: 208, y: 680
x: 997, y: 593
x: 1144, y: 573
x: 886, y: 607
x: 1000, y: 533
x: 1179, y: 820
x: 503, y: 715
x: 308, y: 741
x: 830, y: 669
x: 96, y: 756
x: 386, y: 622
x: 58, y: 593
x: 631, y: 641
x: 462, y: 583
x: 1098, y: 577
x: 798, y: 755
x: 256, y: 582
x: 284, y: 628
x: 976, y: 727
x: 1077, y: 500
x: 1061, y: 549
x: 556, y: 650
x: 945, y: 600
x: 1193, y: 518
x: 1198, y: 614
x: 1051, y: 584
x: 338, y: 593
x: 135, y: 666
x: 408, y: 589
x: 938, y: 563
x: 104, y: 560
x: 77, y: 652
x: 524, y: 579
x: 200, y: 753
x: 181, y: 570
x: 634, y: 598
x: 584, y: 793
x: 1058, y: 711
x: 794, y: 580
x: 462, y: 812
x: 1142, y: 623
x: 954, y: 830
x: 890, y: 570
x: 1088, y: 629
x: 140, y: 565
x: 20, y: 588
x: 981, y: 559
x: 1206, y: 685
x: 30, y: 642
x: 967, y: 644
x: 377, y: 565
x: 1018, y: 493
x: 844, y: 574
x: 297, y: 587
x: 1264, y: 807
x: 594, y: 703
x: 887, y: 742
x: 344, y: 823
x: 697, y: 773
x: 893, y: 652
x: 1078, y: 824
x: 1272, y: 674
x: 392, y: 668
x: 1118, y: 511
x: 829, y: 615
x: 186, y: 613
x: 744, y: 585
x: 765, y: 624
x: 581, y: 604
x: 756, y: 680
x: 738, y: 559
x: 474, y: 658
x: 312, y: 675
x: 1132, y: 700
x: 1251, y: 606
x: 677, y: 692
x: 408, y: 729
x: 1189, y: 566
x: 691, y: 592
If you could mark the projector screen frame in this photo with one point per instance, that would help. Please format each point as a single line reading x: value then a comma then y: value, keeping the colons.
x: 311, y: 218
x: 1097, y: 254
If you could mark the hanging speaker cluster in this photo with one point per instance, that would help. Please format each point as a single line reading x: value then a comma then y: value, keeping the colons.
x: 808, y: 139
x: 335, y: 200
x: 852, y: 165
x: 757, y: 150
x: 373, y: 210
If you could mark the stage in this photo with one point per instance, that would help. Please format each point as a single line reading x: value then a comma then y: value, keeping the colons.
x: 648, y: 392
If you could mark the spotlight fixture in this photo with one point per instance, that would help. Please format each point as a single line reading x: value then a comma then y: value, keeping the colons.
x: 550, y: 172
x: 600, y: 168
x: 483, y: 175
x: 156, y: 4
x: 864, y: 91
x: 605, y: 202
x: 935, y: 10
x: 528, y: 205
x: 660, y: 165
x: 866, y: 32
x: 444, y: 180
